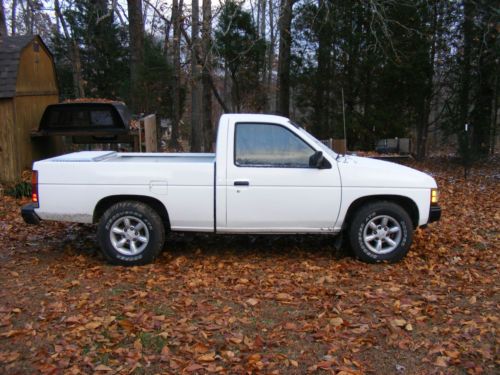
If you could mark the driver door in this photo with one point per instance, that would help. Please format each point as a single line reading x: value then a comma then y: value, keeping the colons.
x: 270, y: 185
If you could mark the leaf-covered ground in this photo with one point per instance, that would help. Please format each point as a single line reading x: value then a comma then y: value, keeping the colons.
x: 265, y: 304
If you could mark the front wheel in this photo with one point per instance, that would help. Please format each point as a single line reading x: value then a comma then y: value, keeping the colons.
x: 131, y: 233
x: 381, y: 231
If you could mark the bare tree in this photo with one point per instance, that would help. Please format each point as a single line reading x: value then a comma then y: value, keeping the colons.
x: 3, y: 24
x: 176, y: 100
x: 215, y: 91
x: 13, y: 16
x: 206, y: 36
x: 262, y: 32
x: 136, y: 31
x: 285, y: 25
x: 323, y: 71
x: 196, y: 125
x: 422, y: 126
x: 29, y: 15
x: 464, y: 98
x: 494, y: 114
x: 166, y: 43
x: 270, y: 52
x: 262, y: 26
x: 76, y: 64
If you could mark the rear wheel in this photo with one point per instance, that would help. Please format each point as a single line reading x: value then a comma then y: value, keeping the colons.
x: 381, y: 231
x: 131, y: 233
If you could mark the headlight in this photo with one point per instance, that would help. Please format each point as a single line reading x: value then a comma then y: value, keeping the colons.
x: 434, y: 197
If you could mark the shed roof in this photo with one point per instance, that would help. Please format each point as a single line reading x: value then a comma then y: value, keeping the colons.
x: 10, y: 52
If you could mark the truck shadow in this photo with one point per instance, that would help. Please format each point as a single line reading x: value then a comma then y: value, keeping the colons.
x: 266, y: 245
x: 80, y: 239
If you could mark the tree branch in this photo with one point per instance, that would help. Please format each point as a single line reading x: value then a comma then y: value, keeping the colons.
x: 209, y: 76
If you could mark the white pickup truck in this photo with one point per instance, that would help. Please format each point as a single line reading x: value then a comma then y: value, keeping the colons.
x: 268, y: 176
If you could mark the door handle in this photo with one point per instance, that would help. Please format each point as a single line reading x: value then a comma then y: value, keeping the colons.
x: 241, y: 183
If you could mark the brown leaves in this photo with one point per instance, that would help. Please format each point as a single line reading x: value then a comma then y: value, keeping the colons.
x: 8, y: 357
x: 102, y: 368
x: 207, y: 357
x: 165, y: 354
x: 138, y: 345
x: 261, y: 304
x: 252, y: 301
x: 126, y: 325
x: 193, y: 367
x: 284, y: 297
x: 398, y: 322
x: 336, y: 322
x: 93, y: 325
x: 12, y: 332
x: 441, y: 361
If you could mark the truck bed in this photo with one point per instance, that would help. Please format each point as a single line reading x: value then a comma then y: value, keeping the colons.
x: 183, y: 182
x: 136, y: 157
x: 106, y: 167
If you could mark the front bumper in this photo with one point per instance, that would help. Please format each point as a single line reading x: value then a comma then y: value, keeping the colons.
x: 29, y: 215
x: 434, y: 214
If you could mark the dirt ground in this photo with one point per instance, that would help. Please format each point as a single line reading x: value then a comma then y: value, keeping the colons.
x: 258, y: 304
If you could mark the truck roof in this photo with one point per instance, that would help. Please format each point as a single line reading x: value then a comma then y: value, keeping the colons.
x: 260, y: 117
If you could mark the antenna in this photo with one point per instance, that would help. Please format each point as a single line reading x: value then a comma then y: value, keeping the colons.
x: 343, y: 116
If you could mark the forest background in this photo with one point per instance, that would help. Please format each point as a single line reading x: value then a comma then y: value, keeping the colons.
x: 406, y: 68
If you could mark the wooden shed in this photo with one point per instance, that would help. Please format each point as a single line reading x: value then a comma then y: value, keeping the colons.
x: 27, y: 85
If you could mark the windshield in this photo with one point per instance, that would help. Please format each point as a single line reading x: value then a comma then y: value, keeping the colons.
x: 310, y: 137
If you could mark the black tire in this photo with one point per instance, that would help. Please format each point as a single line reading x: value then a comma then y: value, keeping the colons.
x: 361, y: 229
x: 151, y: 228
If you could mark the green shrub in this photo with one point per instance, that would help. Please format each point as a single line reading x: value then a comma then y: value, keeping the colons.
x: 22, y: 189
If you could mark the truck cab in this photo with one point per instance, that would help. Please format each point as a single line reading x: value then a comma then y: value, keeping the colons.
x: 267, y: 182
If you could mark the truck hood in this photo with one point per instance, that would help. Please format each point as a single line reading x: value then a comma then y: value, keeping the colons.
x: 366, y: 172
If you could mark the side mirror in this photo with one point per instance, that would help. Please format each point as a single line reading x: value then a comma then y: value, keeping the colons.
x: 317, y: 160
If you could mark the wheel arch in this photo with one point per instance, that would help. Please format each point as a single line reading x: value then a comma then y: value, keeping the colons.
x: 405, y: 203
x: 154, y: 203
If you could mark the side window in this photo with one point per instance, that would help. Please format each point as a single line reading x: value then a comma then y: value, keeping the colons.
x: 267, y: 145
x: 80, y: 119
x: 101, y: 118
x: 55, y: 118
x: 65, y: 118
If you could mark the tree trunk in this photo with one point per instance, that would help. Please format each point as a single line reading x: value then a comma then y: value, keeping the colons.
x: 262, y: 30
x: 196, y: 125
x: 270, y: 54
x: 422, y: 129
x: 257, y: 21
x: 352, y: 61
x: 136, y: 32
x: 235, y: 92
x: 465, y: 84
x: 263, y: 19
x: 28, y: 17
x: 485, y: 70
x: 25, y: 14
x: 76, y: 64
x: 322, y: 74
x: 285, y: 25
x: 225, y: 108
x: 166, y: 47
x: 206, y: 35
x: 227, y: 88
x: 176, y: 97
x: 3, y: 24
x: 423, y: 124
x: 77, y: 70
x: 494, y: 117
x: 116, y: 12
x: 13, y: 22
